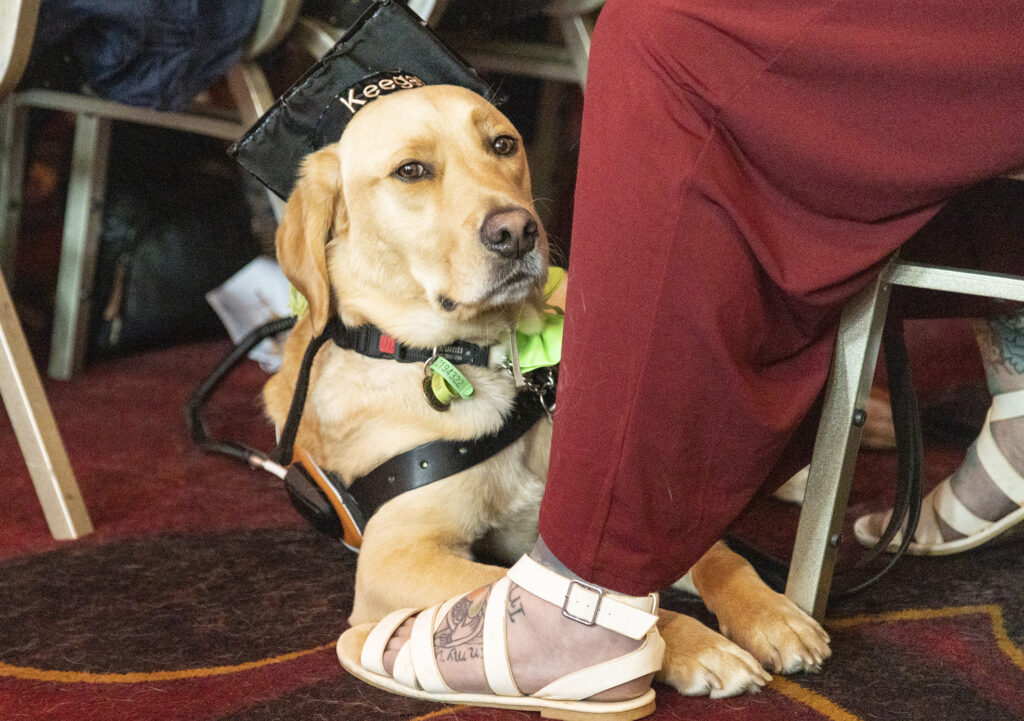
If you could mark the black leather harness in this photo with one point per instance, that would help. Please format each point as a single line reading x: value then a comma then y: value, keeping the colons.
x: 321, y: 496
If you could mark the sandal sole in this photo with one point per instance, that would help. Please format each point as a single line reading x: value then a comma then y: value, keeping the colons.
x: 350, y: 646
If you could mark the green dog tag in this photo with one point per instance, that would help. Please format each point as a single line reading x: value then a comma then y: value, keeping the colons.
x: 458, y: 382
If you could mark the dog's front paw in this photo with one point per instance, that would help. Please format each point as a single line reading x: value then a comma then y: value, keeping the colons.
x: 778, y: 634
x: 700, y: 662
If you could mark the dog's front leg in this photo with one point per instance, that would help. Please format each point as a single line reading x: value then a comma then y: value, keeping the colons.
x: 415, y: 554
x: 766, y: 623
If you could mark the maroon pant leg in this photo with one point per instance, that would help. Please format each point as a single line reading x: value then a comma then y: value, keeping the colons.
x: 744, y: 168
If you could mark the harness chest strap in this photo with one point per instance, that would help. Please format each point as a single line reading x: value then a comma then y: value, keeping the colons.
x: 407, y: 471
x: 440, y: 459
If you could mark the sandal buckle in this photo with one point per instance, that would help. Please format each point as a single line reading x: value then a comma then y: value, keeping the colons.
x: 596, y: 595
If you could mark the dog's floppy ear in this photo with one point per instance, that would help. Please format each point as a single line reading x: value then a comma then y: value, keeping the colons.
x: 314, y: 214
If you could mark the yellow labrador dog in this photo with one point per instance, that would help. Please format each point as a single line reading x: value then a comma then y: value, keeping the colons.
x: 420, y: 221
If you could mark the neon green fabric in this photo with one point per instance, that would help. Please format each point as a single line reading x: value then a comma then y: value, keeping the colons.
x: 297, y: 303
x: 544, y: 349
x: 556, y: 276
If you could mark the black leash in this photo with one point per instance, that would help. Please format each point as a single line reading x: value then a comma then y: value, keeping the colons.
x: 367, y: 340
x: 286, y: 443
x: 194, y: 407
x: 906, y: 419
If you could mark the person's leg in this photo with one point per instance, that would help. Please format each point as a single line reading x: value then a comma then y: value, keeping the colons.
x: 783, y: 153
x: 985, y: 496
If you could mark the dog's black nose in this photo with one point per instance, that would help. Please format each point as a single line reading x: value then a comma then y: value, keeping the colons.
x: 509, y: 232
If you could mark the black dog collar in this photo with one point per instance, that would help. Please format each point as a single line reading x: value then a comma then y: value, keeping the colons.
x: 374, y: 343
x: 371, y: 341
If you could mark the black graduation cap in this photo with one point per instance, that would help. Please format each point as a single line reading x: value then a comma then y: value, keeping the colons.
x: 388, y: 49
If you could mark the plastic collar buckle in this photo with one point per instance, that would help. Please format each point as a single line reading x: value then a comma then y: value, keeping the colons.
x: 589, y: 602
x: 404, y: 354
x: 361, y: 339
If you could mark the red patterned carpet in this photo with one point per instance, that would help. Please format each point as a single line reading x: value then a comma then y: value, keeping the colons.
x: 201, y: 596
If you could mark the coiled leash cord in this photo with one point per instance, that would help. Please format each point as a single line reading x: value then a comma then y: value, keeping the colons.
x: 194, y: 407
x: 906, y: 420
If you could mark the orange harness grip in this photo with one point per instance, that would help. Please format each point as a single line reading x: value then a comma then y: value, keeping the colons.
x: 349, y: 518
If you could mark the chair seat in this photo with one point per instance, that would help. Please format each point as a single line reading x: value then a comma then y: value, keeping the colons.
x: 981, y: 229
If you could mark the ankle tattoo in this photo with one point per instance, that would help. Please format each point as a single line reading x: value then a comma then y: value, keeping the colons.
x: 515, y: 604
x: 1001, y: 340
x: 460, y: 637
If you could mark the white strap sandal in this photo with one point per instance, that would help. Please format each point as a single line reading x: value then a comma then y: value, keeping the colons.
x: 415, y: 674
x: 942, y: 504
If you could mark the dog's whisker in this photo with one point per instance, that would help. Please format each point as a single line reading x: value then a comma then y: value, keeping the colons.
x: 556, y: 251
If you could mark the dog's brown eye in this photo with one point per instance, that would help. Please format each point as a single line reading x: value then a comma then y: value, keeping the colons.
x: 411, y: 171
x: 504, y: 145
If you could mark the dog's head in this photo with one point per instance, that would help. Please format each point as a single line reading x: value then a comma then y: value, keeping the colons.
x: 419, y: 220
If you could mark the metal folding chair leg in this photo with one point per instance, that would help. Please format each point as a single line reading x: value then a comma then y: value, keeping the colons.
x: 836, y: 446
x: 82, y: 225
x: 37, y: 434
x: 835, y: 449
